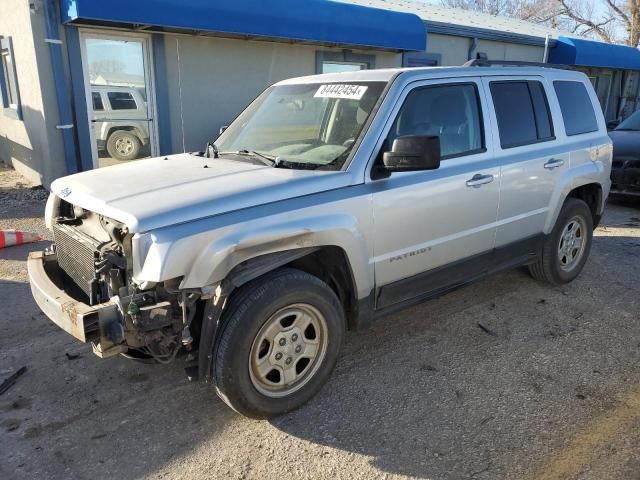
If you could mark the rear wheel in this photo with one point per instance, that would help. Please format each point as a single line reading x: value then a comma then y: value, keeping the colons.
x: 567, y: 248
x: 280, y: 339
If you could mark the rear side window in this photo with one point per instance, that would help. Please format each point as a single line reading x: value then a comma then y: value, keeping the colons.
x: 121, y: 101
x: 577, y: 110
x: 522, y: 112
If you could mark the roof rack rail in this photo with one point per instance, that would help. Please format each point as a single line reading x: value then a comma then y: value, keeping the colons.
x: 482, y: 62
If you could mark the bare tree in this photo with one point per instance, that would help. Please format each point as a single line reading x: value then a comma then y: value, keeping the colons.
x: 619, y: 16
x: 617, y: 22
x: 538, y: 11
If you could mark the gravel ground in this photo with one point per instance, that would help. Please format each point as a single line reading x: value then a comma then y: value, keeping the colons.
x: 550, y: 388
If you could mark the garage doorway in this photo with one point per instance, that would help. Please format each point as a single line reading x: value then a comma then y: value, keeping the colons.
x: 120, y: 97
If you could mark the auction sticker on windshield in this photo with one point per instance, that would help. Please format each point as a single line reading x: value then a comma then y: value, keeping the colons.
x: 337, y: 90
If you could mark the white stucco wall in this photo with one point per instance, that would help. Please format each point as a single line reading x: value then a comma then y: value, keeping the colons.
x: 32, y: 145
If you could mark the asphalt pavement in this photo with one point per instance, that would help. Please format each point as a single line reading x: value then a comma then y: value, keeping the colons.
x: 505, y: 379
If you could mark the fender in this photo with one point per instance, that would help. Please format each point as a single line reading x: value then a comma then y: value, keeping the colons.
x: 569, y: 180
x: 204, y: 255
x: 227, y: 252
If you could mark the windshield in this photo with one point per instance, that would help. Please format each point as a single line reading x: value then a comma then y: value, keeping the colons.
x: 631, y: 123
x: 303, y: 126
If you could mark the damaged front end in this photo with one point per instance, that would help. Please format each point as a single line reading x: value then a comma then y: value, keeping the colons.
x: 84, y: 284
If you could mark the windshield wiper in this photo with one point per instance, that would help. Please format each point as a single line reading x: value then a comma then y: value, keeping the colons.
x: 268, y: 160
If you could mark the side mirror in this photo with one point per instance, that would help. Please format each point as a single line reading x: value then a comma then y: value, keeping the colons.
x: 413, y: 152
x: 222, y: 129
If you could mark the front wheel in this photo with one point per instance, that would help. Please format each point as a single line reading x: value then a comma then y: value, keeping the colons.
x: 280, y: 339
x: 567, y: 247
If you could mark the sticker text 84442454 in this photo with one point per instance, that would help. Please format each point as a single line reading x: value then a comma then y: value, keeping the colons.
x: 338, y: 90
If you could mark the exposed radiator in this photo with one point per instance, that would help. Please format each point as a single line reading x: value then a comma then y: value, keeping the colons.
x: 77, y: 255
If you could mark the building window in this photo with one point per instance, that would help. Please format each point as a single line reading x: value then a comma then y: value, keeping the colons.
x: 421, y: 59
x: 8, y: 80
x: 335, y: 62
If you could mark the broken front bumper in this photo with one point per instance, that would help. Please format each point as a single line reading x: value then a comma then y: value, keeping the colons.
x: 87, y: 323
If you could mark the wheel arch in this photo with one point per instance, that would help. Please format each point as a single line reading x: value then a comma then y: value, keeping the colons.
x: 329, y: 263
x: 127, y: 128
x: 589, y: 191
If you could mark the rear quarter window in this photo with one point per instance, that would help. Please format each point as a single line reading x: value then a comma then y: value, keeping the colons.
x: 576, y: 106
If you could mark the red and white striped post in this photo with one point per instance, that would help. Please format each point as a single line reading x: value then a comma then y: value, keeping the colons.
x: 9, y: 238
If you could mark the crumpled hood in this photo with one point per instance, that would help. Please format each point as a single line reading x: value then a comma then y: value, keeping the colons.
x: 157, y: 192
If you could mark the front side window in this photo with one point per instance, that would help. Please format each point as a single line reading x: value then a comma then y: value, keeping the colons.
x: 522, y: 113
x: 122, y: 101
x: 577, y: 109
x: 451, y: 112
x: 309, y: 125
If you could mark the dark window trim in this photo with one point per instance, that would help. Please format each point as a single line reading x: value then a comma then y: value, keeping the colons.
x: 538, y: 140
x: 547, y: 110
x: 344, y: 57
x: 563, y: 120
x: 6, y: 43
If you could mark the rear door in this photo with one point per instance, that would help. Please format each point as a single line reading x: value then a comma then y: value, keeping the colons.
x: 530, y: 157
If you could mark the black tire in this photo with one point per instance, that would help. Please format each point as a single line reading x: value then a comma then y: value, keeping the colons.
x: 123, y: 145
x: 548, y: 267
x: 248, y: 312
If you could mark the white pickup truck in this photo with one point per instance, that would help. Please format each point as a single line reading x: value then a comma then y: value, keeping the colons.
x: 330, y: 201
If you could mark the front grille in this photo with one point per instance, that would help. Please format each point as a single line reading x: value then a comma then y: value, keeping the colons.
x: 77, y: 256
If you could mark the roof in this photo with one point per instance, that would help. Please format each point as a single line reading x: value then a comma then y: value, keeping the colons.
x: 312, y: 21
x: 456, y: 21
x: 574, y: 51
x: 386, y: 74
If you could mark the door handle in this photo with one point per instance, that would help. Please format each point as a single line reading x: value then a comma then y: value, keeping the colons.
x: 478, y: 180
x: 553, y: 163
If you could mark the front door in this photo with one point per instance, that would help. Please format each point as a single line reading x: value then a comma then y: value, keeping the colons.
x: 432, y: 221
x: 120, y: 97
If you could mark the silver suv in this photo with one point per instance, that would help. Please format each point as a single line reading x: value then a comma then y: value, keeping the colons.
x: 119, y: 121
x: 331, y: 201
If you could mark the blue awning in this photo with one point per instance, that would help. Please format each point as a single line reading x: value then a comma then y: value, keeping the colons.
x: 314, y: 21
x: 587, y: 53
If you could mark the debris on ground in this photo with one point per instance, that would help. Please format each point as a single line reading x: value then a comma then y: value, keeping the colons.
x: 486, y: 330
x: 9, y: 382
